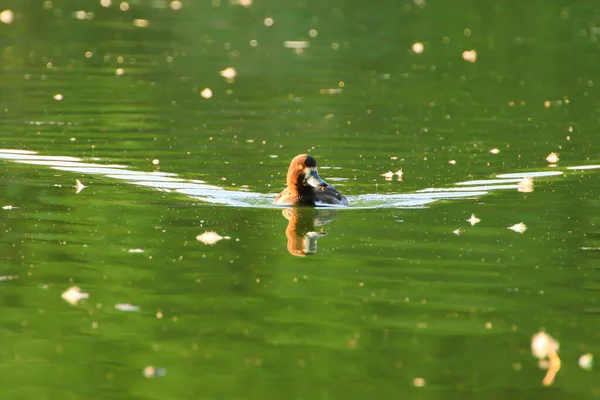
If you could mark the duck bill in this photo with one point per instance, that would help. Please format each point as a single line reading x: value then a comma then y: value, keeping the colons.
x: 314, y: 180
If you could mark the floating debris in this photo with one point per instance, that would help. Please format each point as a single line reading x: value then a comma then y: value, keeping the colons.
x: 152, y: 372
x: 79, y: 186
x: 9, y: 207
x: 457, y: 231
x: 141, y: 23
x: 545, y: 348
x: 210, y: 237
x: 586, y: 361
x: 156, y: 161
x: 552, y: 158
x: 295, y: 44
x: 473, y: 220
x: 453, y: 162
x: 73, y: 295
x: 494, y: 151
x: 418, y: 382
x: 229, y: 73
x: 331, y: 91
x: 206, y: 93
x: 81, y: 15
x: 417, y: 48
x: 58, y: 97
x: 268, y: 21
x: 542, y: 345
x: 7, y: 17
x: 388, y: 175
x: 126, y: 307
x: 525, y: 185
x: 8, y: 277
x: 243, y: 3
x: 469, y: 55
x: 135, y: 251
x: 519, y: 228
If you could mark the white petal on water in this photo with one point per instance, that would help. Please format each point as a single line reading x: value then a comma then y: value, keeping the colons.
x: 473, y: 220
x: 388, y: 175
x: 210, y: 237
x: 126, y: 307
x: 228, y: 73
x: 7, y: 17
x: 331, y: 91
x: 417, y: 48
x: 542, y: 344
x: 79, y: 186
x: 469, y: 55
x: 525, y: 185
x: 141, y: 23
x: 206, y: 93
x: 419, y: 382
x: 552, y: 158
x: 295, y: 44
x: 135, y: 251
x: 74, y: 294
x: 586, y: 361
x: 520, y: 227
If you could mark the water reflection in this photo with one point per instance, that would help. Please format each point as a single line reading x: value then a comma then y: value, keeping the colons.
x: 301, y: 232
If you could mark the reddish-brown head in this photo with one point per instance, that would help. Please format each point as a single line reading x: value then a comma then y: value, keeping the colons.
x: 303, y: 173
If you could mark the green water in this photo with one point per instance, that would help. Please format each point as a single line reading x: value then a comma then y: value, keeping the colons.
x: 390, y: 294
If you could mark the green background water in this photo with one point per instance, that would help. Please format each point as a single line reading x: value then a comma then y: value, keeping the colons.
x: 391, y: 294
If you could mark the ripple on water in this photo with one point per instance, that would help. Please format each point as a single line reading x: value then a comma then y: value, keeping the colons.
x: 212, y: 194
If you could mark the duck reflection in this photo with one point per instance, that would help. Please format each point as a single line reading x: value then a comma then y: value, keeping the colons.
x: 301, y: 232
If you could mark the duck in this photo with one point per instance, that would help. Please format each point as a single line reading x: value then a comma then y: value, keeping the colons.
x: 305, y: 187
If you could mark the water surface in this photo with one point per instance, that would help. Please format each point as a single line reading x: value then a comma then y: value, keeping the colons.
x: 397, y: 296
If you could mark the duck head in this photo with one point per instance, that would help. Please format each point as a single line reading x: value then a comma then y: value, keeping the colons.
x: 303, y: 175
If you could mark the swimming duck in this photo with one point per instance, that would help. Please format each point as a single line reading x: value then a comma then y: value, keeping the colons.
x: 305, y: 187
